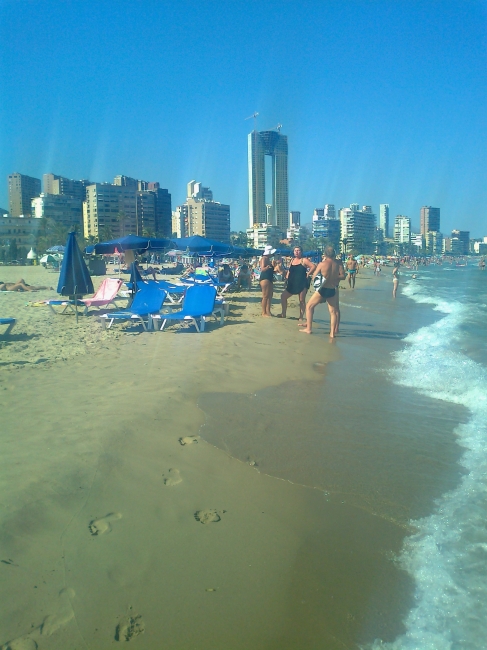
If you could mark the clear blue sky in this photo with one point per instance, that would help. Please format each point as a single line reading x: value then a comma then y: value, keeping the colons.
x: 382, y: 101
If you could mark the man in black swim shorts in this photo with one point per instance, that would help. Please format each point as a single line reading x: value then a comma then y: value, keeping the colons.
x: 333, y: 272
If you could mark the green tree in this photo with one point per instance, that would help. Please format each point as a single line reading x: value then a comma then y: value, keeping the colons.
x: 239, y: 238
x: 105, y: 234
x: 122, y: 220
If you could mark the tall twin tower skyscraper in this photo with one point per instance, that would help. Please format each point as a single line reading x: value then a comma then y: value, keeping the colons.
x: 260, y: 145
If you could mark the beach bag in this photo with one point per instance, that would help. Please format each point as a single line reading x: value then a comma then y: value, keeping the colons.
x: 318, y: 281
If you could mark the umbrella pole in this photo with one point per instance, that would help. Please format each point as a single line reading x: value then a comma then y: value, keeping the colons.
x: 76, y: 307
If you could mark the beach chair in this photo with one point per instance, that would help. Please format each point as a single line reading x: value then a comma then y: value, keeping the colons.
x: 106, y: 294
x: 198, y: 304
x: 9, y: 322
x: 175, y: 292
x: 148, y: 300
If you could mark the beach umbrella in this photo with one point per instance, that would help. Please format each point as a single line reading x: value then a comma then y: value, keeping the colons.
x: 55, y: 249
x: 201, y: 245
x: 128, y: 243
x: 74, y: 278
x: 134, y: 277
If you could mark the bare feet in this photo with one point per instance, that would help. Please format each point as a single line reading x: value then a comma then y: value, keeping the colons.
x: 306, y: 331
x: 280, y: 316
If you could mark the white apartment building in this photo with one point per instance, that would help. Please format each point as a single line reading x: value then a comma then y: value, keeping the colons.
x: 402, y: 230
x: 200, y: 215
x: 264, y: 234
x: 357, y: 229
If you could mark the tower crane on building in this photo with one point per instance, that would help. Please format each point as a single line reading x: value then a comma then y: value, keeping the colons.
x: 254, y: 116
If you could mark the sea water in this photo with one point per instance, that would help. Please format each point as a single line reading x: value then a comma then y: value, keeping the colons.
x: 447, y: 557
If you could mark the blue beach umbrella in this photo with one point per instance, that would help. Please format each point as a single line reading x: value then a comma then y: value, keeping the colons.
x: 202, y: 245
x: 74, y: 278
x: 128, y: 243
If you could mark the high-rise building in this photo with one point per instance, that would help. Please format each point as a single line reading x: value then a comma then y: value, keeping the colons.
x: 61, y: 208
x: 202, y: 216
x: 430, y: 219
x: 294, y: 218
x: 54, y: 184
x: 402, y: 229
x: 260, y: 145
x: 433, y: 242
x: 329, y: 211
x: 118, y: 210
x: 325, y: 225
x: 163, y: 226
x: 180, y: 221
x: 460, y: 241
x: 358, y: 229
x: 21, y: 190
x: 384, y: 219
x: 197, y: 191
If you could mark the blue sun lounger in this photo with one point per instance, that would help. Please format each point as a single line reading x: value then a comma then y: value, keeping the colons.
x: 9, y: 322
x: 198, y: 304
x: 148, y: 300
x: 175, y: 292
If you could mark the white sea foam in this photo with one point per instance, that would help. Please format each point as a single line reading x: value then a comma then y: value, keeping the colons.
x: 448, y: 556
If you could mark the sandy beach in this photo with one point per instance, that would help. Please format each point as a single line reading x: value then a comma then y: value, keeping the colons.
x: 114, y: 531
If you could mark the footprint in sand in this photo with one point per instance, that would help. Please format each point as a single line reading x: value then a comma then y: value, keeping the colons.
x: 129, y: 627
x: 173, y: 477
x: 103, y: 525
x: 189, y: 440
x: 49, y: 625
x: 53, y: 622
x: 208, y: 516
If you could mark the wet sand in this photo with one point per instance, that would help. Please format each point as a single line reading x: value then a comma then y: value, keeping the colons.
x: 113, y: 531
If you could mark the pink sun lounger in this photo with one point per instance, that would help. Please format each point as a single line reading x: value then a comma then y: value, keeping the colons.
x: 106, y: 294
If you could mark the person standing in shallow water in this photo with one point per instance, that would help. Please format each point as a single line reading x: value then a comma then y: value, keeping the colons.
x: 266, y: 280
x: 332, y: 272
x: 395, y: 279
x: 352, y: 270
x: 297, y: 282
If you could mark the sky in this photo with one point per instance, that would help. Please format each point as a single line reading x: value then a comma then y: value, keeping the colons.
x: 383, y: 101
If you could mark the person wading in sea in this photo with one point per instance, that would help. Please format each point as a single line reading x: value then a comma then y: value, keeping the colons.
x: 332, y: 272
x: 297, y: 282
x: 395, y: 279
x: 352, y: 270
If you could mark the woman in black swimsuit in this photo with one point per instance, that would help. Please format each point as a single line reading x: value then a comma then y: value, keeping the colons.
x: 297, y: 282
x: 266, y: 280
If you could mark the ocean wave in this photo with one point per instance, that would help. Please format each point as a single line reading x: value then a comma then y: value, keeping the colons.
x: 447, y: 557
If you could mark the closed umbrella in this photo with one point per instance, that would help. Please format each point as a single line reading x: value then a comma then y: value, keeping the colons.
x: 74, y: 278
x: 134, y: 277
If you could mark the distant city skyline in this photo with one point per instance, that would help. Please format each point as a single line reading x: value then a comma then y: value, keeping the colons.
x: 401, y: 122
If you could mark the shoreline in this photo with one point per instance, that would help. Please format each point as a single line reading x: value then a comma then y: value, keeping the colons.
x: 133, y: 402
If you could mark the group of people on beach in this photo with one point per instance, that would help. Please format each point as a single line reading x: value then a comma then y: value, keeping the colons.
x: 302, y: 272
x: 298, y: 278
